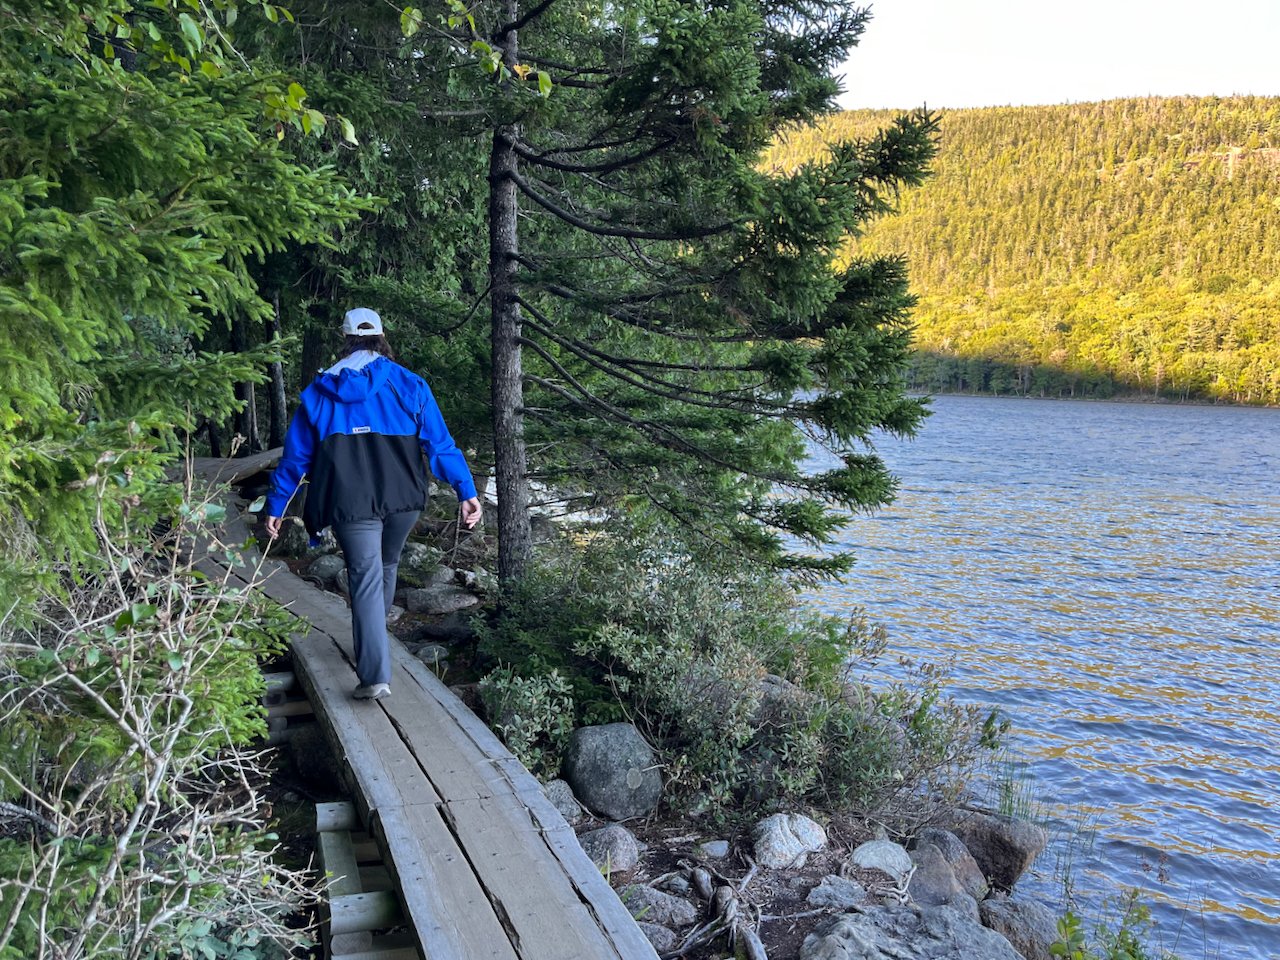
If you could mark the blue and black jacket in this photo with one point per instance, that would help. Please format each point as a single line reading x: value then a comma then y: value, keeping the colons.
x: 359, y: 437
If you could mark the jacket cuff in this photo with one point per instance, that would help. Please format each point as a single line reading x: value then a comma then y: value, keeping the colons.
x: 465, y: 489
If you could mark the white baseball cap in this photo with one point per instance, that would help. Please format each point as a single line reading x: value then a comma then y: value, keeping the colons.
x: 361, y: 322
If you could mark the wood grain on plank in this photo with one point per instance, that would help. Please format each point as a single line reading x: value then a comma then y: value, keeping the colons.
x: 354, y: 912
x: 522, y: 876
x: 385, y: 772
x: 338, y: 861
x: 443, y: 899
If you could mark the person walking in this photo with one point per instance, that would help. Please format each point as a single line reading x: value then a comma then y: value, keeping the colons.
x: 358, y: 437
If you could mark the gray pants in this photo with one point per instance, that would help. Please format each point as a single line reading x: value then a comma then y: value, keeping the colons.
x: 372, y: 551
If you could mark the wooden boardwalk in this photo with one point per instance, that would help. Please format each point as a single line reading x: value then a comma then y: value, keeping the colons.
x: 484, y: 866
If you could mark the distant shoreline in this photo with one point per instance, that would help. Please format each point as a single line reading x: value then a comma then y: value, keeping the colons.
x: 1150, y: 401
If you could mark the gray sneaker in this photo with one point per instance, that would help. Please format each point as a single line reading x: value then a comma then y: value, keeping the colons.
x: 373, y: 691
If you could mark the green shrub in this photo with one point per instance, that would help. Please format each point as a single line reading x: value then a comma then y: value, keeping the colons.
x: 1127, y: 938
x: 131, y: 695
x: 749, y: 700
x: 534, y: 716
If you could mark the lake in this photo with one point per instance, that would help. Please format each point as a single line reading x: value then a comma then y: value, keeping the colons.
x: 1107, y: 574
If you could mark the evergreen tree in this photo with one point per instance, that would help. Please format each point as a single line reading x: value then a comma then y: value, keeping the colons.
x: 665, y: 320
x: 140, y: 172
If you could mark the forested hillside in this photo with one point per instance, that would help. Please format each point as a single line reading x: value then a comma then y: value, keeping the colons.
x: 1131, y: 246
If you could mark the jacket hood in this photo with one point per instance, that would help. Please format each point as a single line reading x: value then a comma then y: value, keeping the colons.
x: 353, y: 386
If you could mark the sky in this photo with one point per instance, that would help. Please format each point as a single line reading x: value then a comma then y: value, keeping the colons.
x: 947, y: 53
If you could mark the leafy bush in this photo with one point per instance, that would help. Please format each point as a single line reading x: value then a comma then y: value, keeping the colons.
x: 131, y: 696
x: 1125, y: 939
x: 534, y: 715
x: 749, y: 701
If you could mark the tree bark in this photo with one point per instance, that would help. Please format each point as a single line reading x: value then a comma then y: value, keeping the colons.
x: 278, y: 410
x: 515, y: 541
x: 246, y: 418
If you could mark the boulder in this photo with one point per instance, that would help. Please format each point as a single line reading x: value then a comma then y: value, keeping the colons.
x: 452, y: 629
x: 293, y: 541
x: 613, y: 849
x: 612, y: 771
x: 958, y: 858
x: 660, y: 938
x: 676, y: 884
x: 883, y: 855
x: 561, y: 796
x: 1030, y: 927
x: 417, y: 562
x: 441, y: 574
x: 479, y: 580
x: 654, y: 906
x: 326, y: 568
x: 439, y: 598
x: 342, y: 582
x: 933, y: 883
x: 432, y: 654
x: 785, y: 840
x: 394, y: 614
x: 837, y: 893
x: 713, y: 849
x: 905, y: 933
x: 1003, y: 847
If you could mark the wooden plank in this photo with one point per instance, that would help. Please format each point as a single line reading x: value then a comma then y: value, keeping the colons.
x: 381, y: 953
x: 456, y: 770
x: 281, y: 682
x: 484, y: 739
x: 355, y: 912
x: 526, y: 881
x: 221, y: 470
x: 338, y: 861
x: 589, y: 883
x: 452, y: 917
x: 385, y: 772
x: 535, y: 884
x: 336, y: 816
x: 291, y: 708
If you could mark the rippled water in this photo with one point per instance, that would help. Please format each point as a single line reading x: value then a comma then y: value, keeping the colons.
x: 1108, y: 575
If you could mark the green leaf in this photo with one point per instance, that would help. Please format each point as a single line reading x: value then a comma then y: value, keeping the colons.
x: 544, y: 83
x: 210, y: 70
x: 317, y: 120
x: 410, y: 21
x: 349, y: 135
x: 296, y: 95
x: 91, y: 656
x: 261, y: 502
x: 191, y: 31
x: 174, y: 660
x: 272, y: 13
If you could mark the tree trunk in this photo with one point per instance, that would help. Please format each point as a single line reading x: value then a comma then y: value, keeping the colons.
x: 246, y: 418
x: 276, y: 417
x: 515, y: 541
x: 215, y: 448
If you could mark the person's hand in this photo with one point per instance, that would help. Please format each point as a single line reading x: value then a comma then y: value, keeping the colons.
x: 471, y: 511
x: 273, y: 527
